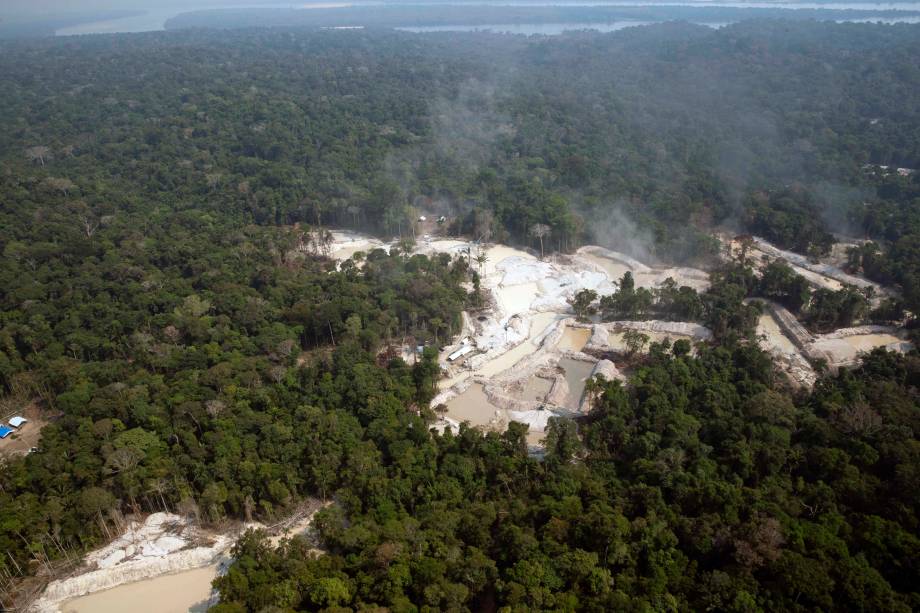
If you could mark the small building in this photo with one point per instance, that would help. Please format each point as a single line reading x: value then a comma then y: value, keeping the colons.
x: 5, y: 431
x: 18, y: 421
x: 459, y: 353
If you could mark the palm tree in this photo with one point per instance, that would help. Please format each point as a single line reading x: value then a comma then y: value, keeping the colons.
x: 436, y: 324
x: 481, y: 259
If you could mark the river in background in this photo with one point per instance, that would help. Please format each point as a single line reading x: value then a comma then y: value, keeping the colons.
x: 554, y: 29
x: 545, y: 29
x: 155, y: 19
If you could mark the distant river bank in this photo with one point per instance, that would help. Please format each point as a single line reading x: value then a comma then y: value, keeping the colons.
x: 156, y: 19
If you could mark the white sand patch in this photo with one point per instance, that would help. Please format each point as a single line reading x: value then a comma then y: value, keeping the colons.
x: 537, y: 420
x: 861, y: 331
x: 498, y: 335
x: 113, y: 558
x: 614, y: 265
x: 346, y: 244
x: 443, y: 245
x: 163, y: 546
x: 518, y: 270
x: 557, y: 290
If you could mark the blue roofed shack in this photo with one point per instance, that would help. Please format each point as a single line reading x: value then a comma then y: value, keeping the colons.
x: 5, y: 431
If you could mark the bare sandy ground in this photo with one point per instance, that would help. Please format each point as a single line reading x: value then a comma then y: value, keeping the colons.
x: 772, y: 338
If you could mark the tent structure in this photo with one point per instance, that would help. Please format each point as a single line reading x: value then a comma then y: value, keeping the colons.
x: 5, y: 431
x: 17, y: 421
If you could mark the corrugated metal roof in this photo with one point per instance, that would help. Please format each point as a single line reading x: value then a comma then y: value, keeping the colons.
x: 5, y: 431
x: 459, y: 353
x: 17, y: 421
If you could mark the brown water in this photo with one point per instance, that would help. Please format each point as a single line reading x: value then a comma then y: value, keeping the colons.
x: 868, y: 342
x: 516, y: 299
x: 535, y: 388
x: 847, y: 350
x: 185, y: 592
x: 576, y: 373
x: 472, y: 406
x: 574, y: 339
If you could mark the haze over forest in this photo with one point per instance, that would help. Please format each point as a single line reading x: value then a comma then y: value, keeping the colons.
x: 376, y: 307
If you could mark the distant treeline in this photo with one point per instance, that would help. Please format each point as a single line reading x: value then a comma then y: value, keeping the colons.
x: 644, y: 139
x: 458, y: 14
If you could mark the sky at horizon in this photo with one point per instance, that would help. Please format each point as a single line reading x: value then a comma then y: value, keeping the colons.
x: 35, y: 8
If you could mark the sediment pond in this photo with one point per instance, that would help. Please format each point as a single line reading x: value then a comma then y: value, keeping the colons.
x: 535, y: 388
x: 574, y: 339
x: 472, y: 406
x: 188, y: 591
x: 576, y: 373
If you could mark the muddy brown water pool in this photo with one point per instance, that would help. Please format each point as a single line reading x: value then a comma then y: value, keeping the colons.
x: 576, y: 373
x: 472, y: 406
x: 535, y: 388
x: 184, y: 592
x: 574, y: 339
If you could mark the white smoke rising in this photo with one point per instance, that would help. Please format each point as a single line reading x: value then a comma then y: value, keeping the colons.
x: 611, y: 227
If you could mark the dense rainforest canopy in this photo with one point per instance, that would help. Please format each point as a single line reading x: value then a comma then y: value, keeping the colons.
x: 165, y: 201
x: 699, y: 487
x: 767, y: 126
